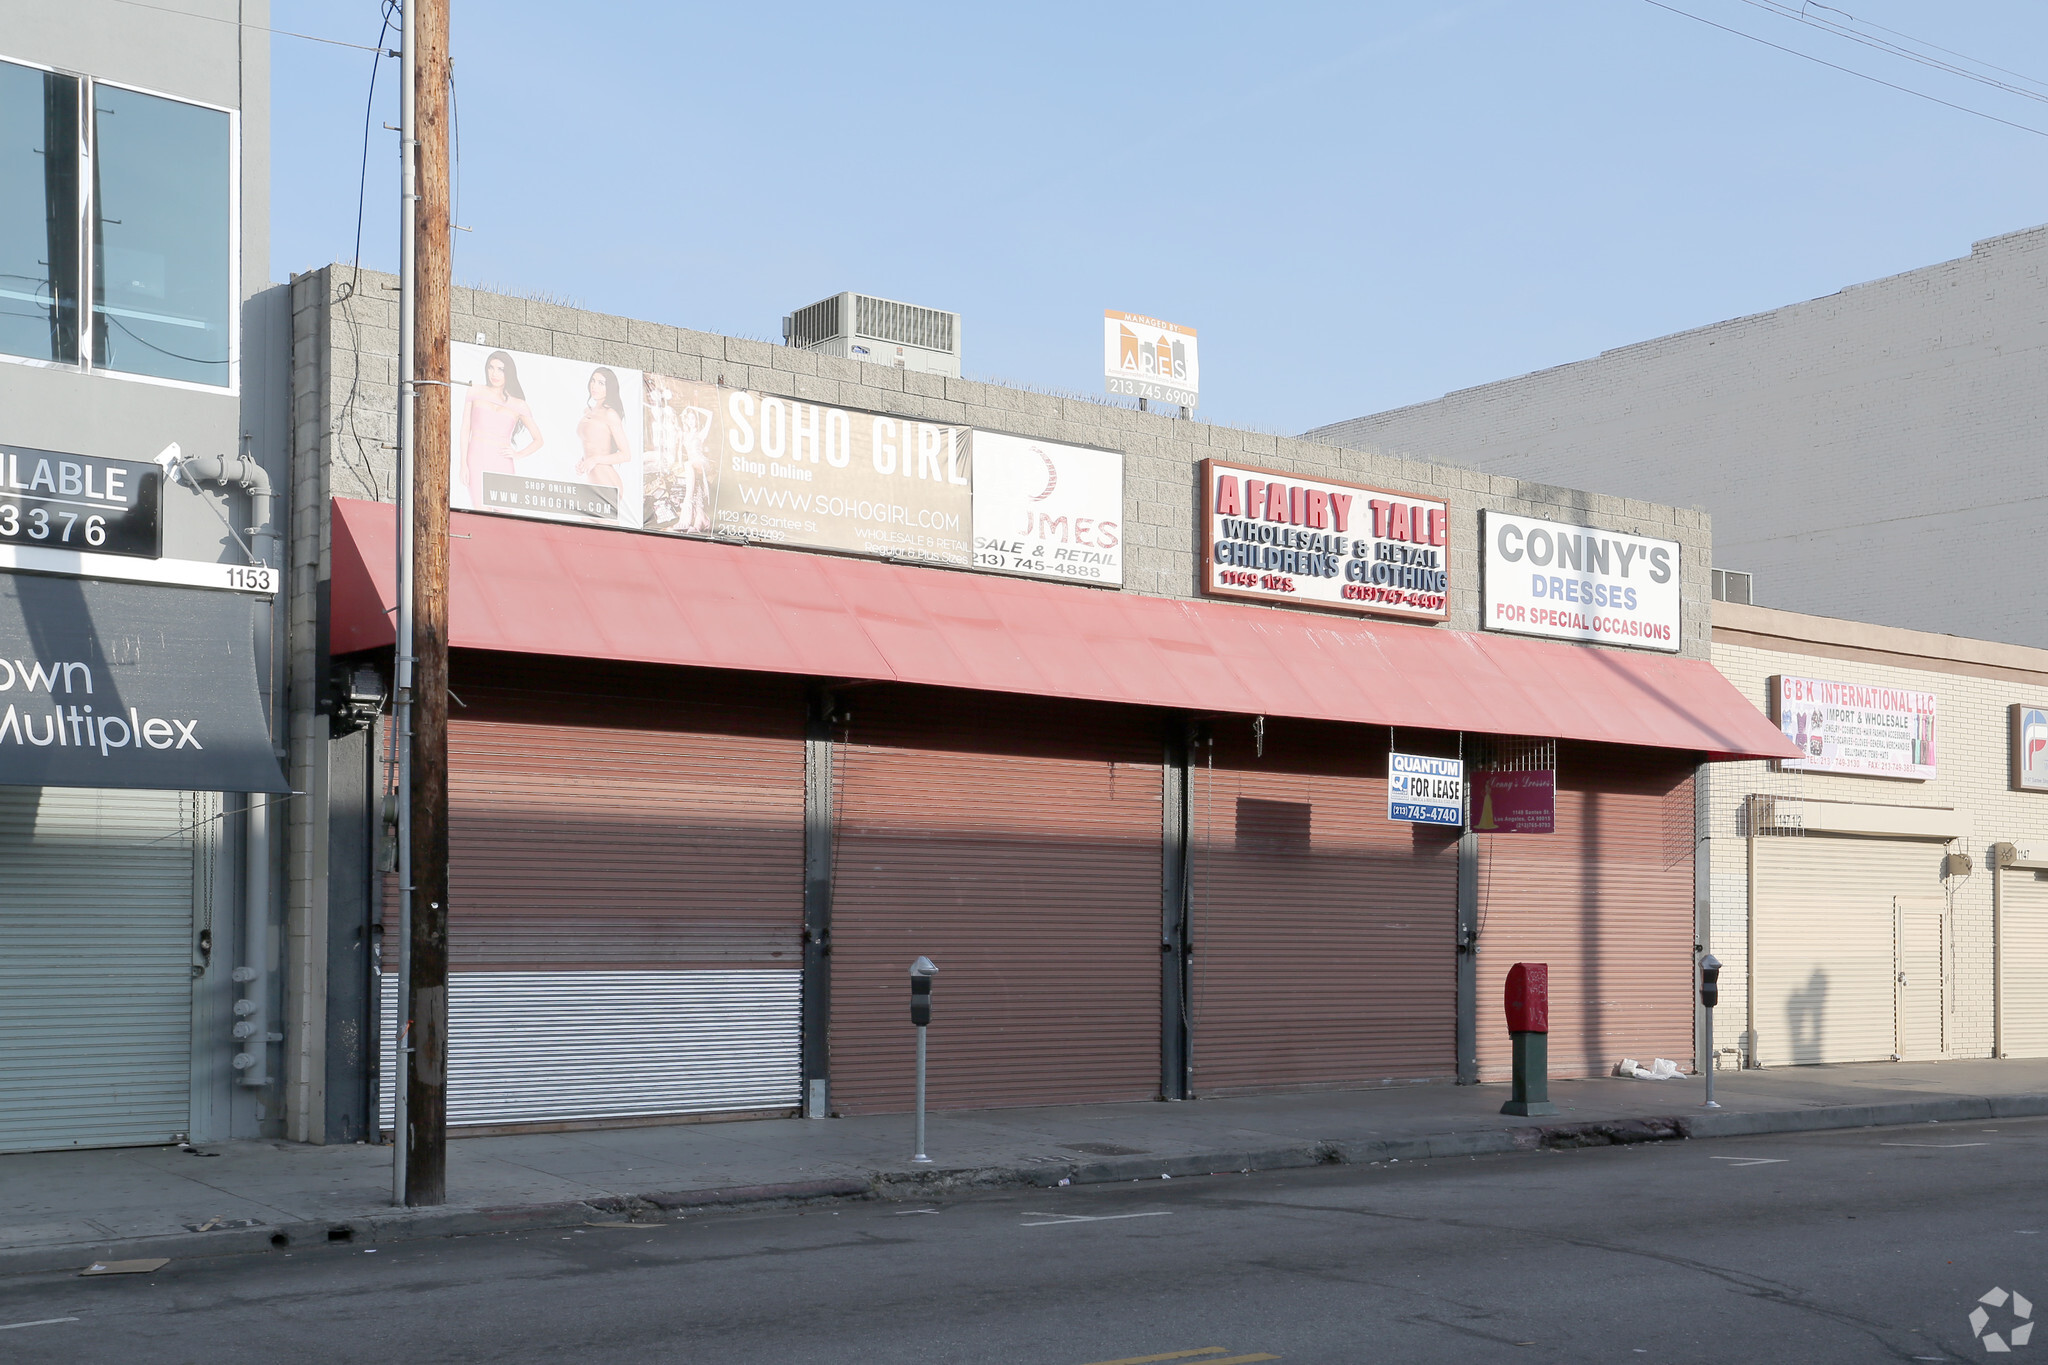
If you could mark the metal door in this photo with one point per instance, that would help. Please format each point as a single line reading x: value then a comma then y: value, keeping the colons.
x: 626, y: 897
x: 96, y: 968
x: 1324, y: 935
x: 2023, y: 962
x: 1607, y: 902
x: 1825, y: 944
x: 1922, y: 978
x: 1017, y: 842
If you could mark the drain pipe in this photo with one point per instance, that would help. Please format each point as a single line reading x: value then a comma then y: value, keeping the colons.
x: 253, y: 1033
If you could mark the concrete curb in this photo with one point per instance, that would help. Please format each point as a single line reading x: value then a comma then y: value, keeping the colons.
x: 386, y: 1227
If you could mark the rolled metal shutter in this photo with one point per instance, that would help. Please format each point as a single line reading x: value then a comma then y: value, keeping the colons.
x: 1017, y: 843
x: 2023, y: 948
x: 96, y: 970
x: 626, y: 899
x: 1607, y: 902
x: 1825, y: 927
x: 1324, y: 934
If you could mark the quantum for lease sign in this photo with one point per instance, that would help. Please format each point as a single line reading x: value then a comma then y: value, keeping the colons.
x: 1270, y: 536
x: 1578, y: 583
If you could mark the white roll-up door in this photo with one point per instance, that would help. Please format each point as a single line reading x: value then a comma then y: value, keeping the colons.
x: 1826, y: 925
x: 539, y: 1047
x: 2023, y: 953
x: 95, y: 967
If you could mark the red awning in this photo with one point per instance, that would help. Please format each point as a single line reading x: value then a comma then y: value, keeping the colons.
x: 537, y: 587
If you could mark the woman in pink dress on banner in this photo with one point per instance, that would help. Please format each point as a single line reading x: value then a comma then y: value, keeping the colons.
x: 495, y: 414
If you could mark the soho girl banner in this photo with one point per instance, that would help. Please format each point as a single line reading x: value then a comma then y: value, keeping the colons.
x: 539, y: 436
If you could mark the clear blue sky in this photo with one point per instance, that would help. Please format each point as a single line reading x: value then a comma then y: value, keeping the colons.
x: 1357, y: 205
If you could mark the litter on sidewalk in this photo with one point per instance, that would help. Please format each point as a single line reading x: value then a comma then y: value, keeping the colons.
x: 1662, y: 1069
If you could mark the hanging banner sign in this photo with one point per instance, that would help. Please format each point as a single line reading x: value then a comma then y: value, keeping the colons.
x: 1145, y: 358
x: 1851, y: 728
x: 537, y: 436
x: 1523, y: 802
x: 1270, y: 536
x: 130, y: 685
x: 1425, y: 791
x: 1578, y: 583
x: 2030, y: 749
x: 1046, y: 510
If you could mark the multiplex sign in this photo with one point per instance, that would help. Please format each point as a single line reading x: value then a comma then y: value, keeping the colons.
x: 1270, y: 536
x: 130, y: 685
x: 1578, y: 583
x: 1145, y: 358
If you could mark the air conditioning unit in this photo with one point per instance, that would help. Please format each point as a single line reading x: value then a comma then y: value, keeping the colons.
x: 880, y: 331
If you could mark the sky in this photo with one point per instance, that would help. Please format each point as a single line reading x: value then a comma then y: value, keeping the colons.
x: 1357, y: 206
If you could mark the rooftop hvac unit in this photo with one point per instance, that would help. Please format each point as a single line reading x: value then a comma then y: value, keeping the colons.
x: 881, y: 331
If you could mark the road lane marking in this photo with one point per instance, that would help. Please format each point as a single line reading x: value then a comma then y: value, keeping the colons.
x: 1752, y: 1160
x: 905, y: 1213
x: 1169, y: 1355
x: 1937, y: 1145
x: 1052, y: 1219
x: 39, y: 1322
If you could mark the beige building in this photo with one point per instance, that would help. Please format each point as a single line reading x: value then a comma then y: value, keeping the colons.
x: 1900, y: 912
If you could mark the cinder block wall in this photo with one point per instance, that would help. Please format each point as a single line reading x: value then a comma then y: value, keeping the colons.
x: 348, y: 391
x: 1874, y: 455
x: 1972, y: 760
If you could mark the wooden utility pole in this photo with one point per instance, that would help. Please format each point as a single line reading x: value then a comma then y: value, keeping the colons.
x: 426, y: 1080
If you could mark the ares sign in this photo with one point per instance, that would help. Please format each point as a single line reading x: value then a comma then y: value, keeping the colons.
x: 1270, y: 536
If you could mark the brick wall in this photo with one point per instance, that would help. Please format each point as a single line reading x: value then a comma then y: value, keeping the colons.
x: 1972, y: 762
x: 349, y: 429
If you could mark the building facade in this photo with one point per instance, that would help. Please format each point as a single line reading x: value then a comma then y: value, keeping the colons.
x: 1102, y: 717
x: 1862, y: 454
x: 1884, y: 898
x: 142, y: 410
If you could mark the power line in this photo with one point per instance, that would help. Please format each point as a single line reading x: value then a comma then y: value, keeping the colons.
x: 259, y: 28
x: 1894, y: 49
x: 1922, y: 42
x: 1849, y: 71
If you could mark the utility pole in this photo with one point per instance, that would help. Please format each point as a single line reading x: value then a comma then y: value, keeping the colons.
x: 401, y: 663
x: 426, y: 1080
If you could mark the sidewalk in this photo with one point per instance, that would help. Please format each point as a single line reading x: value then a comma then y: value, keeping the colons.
x: 65, y: 1209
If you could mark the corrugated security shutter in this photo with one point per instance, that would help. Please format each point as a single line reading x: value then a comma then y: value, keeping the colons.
x: 1324, y: 934
x: 1607, y: 902
x: 1825, y: 929
x: 626, y: 899
x: 1017, y: 843
x: 2023, y: 944
x: 96, y: 969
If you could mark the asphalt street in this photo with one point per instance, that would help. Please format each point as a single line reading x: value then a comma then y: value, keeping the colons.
x: 1850, y: 1246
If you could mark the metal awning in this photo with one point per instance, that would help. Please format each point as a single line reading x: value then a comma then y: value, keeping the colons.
x: 538, y: 587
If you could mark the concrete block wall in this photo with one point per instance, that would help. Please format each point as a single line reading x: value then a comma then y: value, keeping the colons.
x: 1873, y: 455
x: 1971, y: 737
x: 1161, y: 454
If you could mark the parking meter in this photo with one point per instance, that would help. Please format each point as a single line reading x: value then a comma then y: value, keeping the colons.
x: 1710, y: 996
x: 1526, y: 999
x: 921, y: 973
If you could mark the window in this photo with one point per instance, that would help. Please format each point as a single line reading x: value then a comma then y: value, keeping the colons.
x: 125, y: 199
x: 40, y: 153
